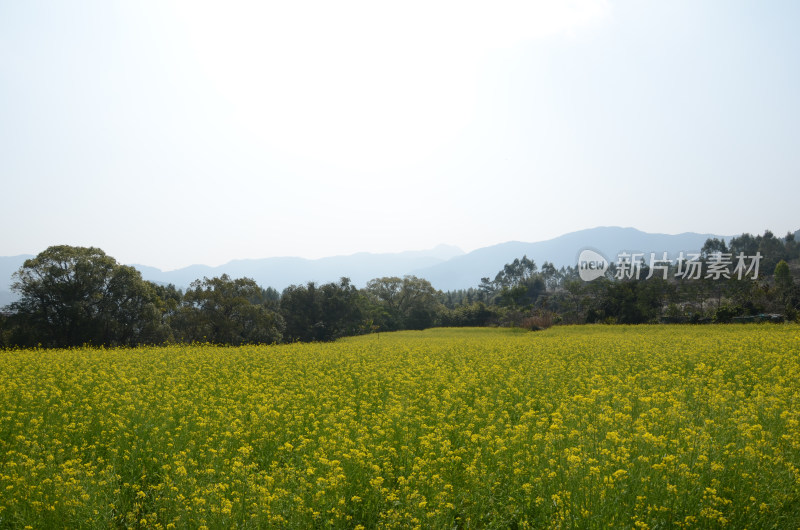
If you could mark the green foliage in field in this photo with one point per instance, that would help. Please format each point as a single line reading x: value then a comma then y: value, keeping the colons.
x: 580, y: 427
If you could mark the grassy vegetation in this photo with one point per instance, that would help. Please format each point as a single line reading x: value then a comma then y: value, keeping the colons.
x: 640, y: 426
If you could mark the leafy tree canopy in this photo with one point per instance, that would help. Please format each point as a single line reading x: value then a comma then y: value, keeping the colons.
x: 77, y: 295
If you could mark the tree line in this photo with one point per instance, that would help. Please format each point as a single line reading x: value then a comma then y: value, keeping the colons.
x: 71, y: 296
x: 523, y: 294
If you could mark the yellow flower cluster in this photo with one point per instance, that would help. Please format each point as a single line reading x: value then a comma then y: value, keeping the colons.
x: 573, y: 427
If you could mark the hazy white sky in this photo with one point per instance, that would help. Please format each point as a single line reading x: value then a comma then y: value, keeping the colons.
x: 188, y: 132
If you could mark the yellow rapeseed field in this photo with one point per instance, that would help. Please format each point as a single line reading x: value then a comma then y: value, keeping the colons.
x: 573, y: 427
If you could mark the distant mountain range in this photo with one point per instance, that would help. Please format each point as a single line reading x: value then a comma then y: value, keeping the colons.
x: 446, y: 267
x: 467, y: 270
x: 282, y: 272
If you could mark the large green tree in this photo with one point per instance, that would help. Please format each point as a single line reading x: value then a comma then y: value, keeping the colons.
x: 321, y: 313
x: 71, y: 296
x: 407, y: 303
x: 786, y: 290
x: 221, y: 310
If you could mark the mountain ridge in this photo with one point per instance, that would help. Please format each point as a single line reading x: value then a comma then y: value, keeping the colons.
x: 467, y: 270
x: 447, y: 267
